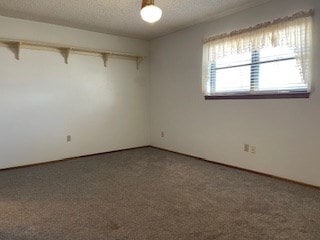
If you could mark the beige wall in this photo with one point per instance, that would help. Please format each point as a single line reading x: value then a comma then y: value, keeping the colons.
x: 42, y: 100
x: 286, y: 132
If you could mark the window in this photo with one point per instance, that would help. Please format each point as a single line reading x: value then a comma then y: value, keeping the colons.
x: 271, y: 61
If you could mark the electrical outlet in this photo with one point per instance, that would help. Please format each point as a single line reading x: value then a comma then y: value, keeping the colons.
x: 253, y: 149
x: 246, y: 147
x: 69, y: 138
x: 162, y: 134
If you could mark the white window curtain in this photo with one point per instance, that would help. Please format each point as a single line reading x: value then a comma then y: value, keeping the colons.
x: 294, y: 32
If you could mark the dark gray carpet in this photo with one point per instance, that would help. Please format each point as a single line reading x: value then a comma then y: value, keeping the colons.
x: 152, y: 194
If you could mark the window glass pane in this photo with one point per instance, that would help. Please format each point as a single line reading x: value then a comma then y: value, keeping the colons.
x: 274, y: 53
x: 231, y: 60
x: 236, y: 79
x: 283, y: 75
x: 233, y: 79
x: 279, y: 75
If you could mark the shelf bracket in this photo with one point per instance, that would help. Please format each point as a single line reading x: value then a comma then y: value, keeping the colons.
x: 138, y: 61
x: 16, y: 49
x: 66, y: 54
x: 105, y: 57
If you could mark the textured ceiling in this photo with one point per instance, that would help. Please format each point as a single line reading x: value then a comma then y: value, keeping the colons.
x: 122, y: 17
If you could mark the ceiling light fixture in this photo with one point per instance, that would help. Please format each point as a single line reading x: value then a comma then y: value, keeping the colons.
x: 149, y: 12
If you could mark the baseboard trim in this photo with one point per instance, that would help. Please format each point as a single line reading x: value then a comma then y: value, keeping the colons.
x: 242, y: 169
x: 71, y: 158
x: 164, y: 149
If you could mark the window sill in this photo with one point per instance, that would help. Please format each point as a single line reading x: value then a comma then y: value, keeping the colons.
x: 259, y: 96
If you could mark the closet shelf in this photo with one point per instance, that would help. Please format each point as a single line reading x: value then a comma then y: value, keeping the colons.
x: 66, y: 50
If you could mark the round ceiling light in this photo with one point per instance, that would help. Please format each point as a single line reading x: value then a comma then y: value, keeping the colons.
x: 149, y: 12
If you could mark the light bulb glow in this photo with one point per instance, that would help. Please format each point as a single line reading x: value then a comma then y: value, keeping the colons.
x: 151, y: 13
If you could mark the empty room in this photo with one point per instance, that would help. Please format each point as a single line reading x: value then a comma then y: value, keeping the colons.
x: 159, y: 120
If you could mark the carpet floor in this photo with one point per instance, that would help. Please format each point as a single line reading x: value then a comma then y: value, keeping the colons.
x: 152, y: 194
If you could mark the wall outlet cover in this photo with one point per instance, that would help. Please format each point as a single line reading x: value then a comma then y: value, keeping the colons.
x: 246, y: 147
x: 253, y: 149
